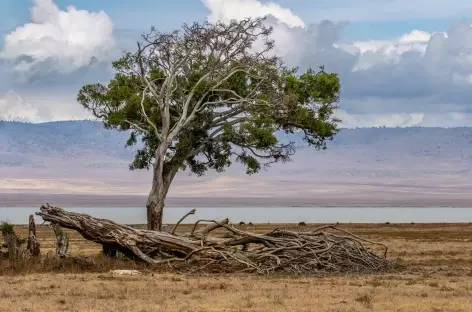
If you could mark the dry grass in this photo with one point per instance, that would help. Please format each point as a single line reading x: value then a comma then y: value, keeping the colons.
x: 439, y: 279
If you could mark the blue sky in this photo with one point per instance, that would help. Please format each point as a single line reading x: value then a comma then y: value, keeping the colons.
x: 170, y: 14
x: 401, y: 62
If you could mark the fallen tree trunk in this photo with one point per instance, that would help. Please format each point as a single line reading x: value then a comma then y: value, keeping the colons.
x: 311, y: 252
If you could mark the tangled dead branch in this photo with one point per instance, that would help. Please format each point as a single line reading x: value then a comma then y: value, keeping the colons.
x: 323, y: 250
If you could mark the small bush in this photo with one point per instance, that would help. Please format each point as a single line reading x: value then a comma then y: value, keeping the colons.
x: 6, y: 228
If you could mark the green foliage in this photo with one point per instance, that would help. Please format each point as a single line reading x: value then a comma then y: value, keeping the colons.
x: 6, y: 228
x: 248, y: 98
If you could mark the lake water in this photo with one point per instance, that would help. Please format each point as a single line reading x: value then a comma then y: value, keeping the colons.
x: 20, y: 215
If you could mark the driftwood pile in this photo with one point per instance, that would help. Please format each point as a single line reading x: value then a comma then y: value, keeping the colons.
x: 220, y: 247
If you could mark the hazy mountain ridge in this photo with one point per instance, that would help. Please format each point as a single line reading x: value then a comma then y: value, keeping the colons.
x: 47, y: 144
x: 25, y: 144
x: 366, y: 166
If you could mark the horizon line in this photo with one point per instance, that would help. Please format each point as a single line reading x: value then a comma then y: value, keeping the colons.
x: 341, y: 128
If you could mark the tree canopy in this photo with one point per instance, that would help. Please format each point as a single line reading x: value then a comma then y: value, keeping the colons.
x: 210, y: 95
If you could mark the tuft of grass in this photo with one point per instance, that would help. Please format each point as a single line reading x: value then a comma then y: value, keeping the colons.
x: 279, y: 300
x: 376, y: 282
x: 366, y: 300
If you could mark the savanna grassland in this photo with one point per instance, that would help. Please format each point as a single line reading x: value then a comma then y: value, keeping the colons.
x: 438, y: 278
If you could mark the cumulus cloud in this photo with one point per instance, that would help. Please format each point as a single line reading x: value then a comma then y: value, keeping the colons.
x: 44, y: 62
x: 225, y: 10
x: 419, y: 78
x: 66, y: 39
x: 41, y: 106
x: 416, y: 79
x: 14, y: 108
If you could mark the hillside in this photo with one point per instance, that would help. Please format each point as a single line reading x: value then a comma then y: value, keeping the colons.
x: 48, y: 144
x: 81, y: 157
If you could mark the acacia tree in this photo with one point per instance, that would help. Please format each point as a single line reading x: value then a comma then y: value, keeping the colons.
x: 205, y: 96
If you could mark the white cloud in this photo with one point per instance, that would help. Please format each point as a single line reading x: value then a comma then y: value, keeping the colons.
x: 14, y: 108
x: 225, y: 10
x: 418, y: 78
x: 71, y: 38
x: 41, y: 107
x: 378, y: 120
x: 390, y: 50
x: 450, y: 119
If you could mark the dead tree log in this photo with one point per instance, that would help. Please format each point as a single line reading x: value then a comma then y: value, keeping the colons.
x: 12, y: 245
x: 33, y: 245
x: 313, y: 252
x: 62, y: 240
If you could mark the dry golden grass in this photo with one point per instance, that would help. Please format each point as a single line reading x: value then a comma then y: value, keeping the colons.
x: 438, y: 279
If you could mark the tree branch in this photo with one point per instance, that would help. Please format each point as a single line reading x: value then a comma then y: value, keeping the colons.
x: 149, y: 121
x: 191, y: 212
x: 136, y: 126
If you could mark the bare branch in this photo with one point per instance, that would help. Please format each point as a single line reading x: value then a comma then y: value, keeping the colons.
x: 149, y: 121
x: 135, y: 126
x: 191, y: 212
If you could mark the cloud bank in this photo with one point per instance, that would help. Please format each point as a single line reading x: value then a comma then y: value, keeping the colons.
x: 415, y: 79
x: 419, y: 78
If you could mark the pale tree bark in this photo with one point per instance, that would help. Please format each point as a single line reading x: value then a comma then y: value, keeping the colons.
x: 155, y: 206
x: 162, y: 178
x: 33, y: 245
x: 156, y: 198
x: 62, y: 241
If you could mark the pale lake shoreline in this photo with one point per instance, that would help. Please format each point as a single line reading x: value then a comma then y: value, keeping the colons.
x: 20, y: 199
x: 273, y: 215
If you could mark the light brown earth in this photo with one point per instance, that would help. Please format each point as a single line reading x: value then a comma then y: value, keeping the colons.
x: 439, y: 278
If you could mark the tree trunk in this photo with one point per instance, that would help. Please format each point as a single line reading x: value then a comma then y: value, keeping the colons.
x: 163, y: 175
x: 155, y: 207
